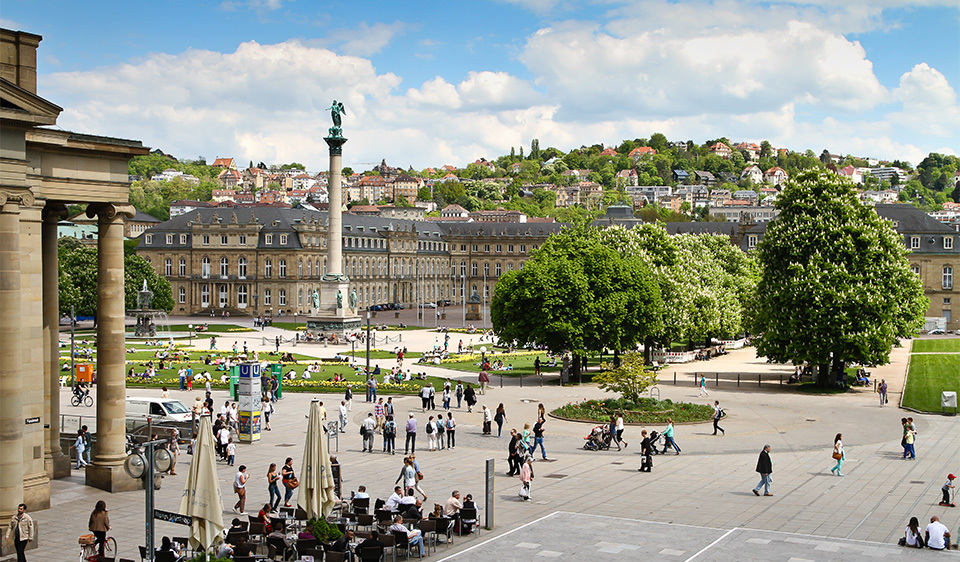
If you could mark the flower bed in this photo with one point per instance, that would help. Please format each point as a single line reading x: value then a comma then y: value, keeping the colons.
x: 647, y: 411
x: 491, y: 356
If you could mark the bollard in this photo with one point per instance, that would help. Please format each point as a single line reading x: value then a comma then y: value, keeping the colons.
x: 781, y: 379
x: 718, y: 380
x: 674, y: 378
x: 695, y: 379
x: 758, y: 380
x: 738, y: 379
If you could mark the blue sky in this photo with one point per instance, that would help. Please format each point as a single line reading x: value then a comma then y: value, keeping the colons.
x: 432, y: 83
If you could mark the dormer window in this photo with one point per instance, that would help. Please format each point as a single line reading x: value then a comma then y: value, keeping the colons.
x: 169, y: 238
x: 268, y: 238
x: 149, y: 239
x: 948, y: 242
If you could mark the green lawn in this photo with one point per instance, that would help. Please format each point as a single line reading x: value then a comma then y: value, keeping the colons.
x: 380, y: 354
x: 929, y: 375
x: 522, y: 365
x: 218, y: 328
x: 936, y: 346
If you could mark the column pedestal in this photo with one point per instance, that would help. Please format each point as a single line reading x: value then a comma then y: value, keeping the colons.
x: 11, y: 410
x: 331, y: 319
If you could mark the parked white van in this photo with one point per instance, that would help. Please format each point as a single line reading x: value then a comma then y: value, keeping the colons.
x: 158, y: 409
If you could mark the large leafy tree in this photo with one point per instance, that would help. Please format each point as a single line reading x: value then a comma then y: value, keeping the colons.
x: 580, y: 294
x: 78, y: 281
x: 836, y: 285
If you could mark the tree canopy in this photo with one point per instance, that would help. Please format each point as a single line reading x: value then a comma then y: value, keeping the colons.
x: 836, y: 284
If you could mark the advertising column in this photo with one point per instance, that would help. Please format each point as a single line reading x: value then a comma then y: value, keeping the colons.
x: 249, y: 395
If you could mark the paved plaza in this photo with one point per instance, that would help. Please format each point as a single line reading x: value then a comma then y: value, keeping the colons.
x: 595, y: 505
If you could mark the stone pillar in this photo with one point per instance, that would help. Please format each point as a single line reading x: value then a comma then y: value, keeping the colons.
x: 56, y: 464
x: 106, y: 472
x: 11, y: 411
x: 335, y: 215
x: 36, y: 483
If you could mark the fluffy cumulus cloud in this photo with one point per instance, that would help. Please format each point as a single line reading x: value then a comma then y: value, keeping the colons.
x: 782, y: 71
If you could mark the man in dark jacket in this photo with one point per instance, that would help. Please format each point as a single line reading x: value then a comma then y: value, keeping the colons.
x: 646, y: 449
x: 765, y: 468
x: 513, y: 458
x: 372, y: 543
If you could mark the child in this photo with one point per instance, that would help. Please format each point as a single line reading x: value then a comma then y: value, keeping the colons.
x: 231, y: 451
x: 946, y: 491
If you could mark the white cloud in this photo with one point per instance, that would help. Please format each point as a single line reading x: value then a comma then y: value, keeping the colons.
x: 364, y: 40
x: 255, y: 5
x: 929, y: 103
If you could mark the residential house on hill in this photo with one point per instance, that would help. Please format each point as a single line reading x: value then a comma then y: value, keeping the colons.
x: 752, y: 173
x: 751, y: 150
x: 705, y: 178
x: 775, y: 176
x: 641, y: 151
x: 746, y: 195
x: 681, y: 176
x: 230, y: 178
x: 609, y: 152
x: 721, y: 150
x: 227, y: 163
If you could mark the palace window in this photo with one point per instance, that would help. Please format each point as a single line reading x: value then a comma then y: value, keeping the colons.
x: 473, y: 269
x: 183, y: 295
x: 914, y: 242
x: 915, y: 269
x: 183, y: 267
x: 475, y: 246
x: 206, y: 240
x: 948, y: 242
x: 224, y: 296
x: 283, y: 269
x: 499, y: 248
x: 168, y: 267
x: 267, y: 297
x: 267, y: 268
x: 204, y: 295
x: 241, y: 296
x: 169, y: 238
x: 947, y: 277
x: 242, y: 268
x: 183, y: 238
x: 282, y: 297
x: 486, y: 247
x: 268, y: 238
x: 205, y: 267
x: 497, y: 269
x: 486, y: 270
x: 224, y: 240
x: 224, y: 267
x: 283, y: 239
x: 299, y: 269
x: 242, y: 239
x: 752, y: 241
x: 149, y: 239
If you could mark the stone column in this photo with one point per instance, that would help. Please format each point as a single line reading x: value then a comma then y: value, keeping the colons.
x: 56, y: 463
x: 11, y: 411
x: 106, y: 472
x: 335, y: 221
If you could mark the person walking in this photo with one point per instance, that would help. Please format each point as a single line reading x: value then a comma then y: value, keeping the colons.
x: 703, y: 386
x: 451, y: 431
x: 646, y: 452
x: 240, y: 487
x: 273, y: 486
x: 80, y: 444
x: 612, y: 430
x: 408, y: 475
x: 379, y: 412
x: 765, y: 468
x: 484, y: 379
x: 369, y: 428
x: 446, y: 397
x: 410, y: 445
x: 20, y: 532
x: 416, y: 469
x: 99, y: 524
x: 289, y: 479
x: 458, y: 392
x: 620, y: 428
x: 431, y: 429
x: 267, y: 410
x: 882, y: 389
x: 717, y: 414
x: 500, y: 417
x: 348, y: 397
x: 526, y: 476
x: 174, y: 448
x: 538, y: 438
x: 513, y: 458
x: 668, y: 437
x: 390, y: 436
x: 909, y: 441
x: 487, y: 420
x: 838, y: 455
x: 470, y: 396
x: 424, y: 398
x: 343, y: 416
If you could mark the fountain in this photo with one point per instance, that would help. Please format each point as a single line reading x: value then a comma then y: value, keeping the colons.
x: 146, y: 326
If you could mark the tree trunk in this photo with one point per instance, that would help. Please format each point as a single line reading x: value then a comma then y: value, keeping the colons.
x: 647, y: 350
x: 616, y: 358
x: 823, y: 375
x: 576, y: 368
x: 838, y: 371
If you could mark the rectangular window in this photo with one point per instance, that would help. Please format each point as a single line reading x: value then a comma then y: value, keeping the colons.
x: 948, y: 242
x: 183, y: 238
x: 283, y: 239
x: 752, y: 241
x: 183, y: 267
x: 947, y: 277
x: 268, y: 238
x: 523, y: 248
x: 267, y: 297
x: 204, y: 295
x: 915, y: 269
x: 168, y: 267
x: 206, y: 239
x: 510, y: 248
x: 914, y: 242
x: 499, y: 248
x: 946, y: 300
x: 242, y: 239
x: 223, y: 240
x: 486, y: 247
x: 183, y: 295
x: 475, y: 246
x: 473, y: 269
x: 149, y: 239
x: 170, y: 239
x: 463, y: 247
x: 282, y: 297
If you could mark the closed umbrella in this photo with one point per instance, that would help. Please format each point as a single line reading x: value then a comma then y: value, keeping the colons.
x: 201, y: 495
x: 316, y: 495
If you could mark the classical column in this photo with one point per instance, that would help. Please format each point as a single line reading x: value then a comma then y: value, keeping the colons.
x: 106, y: 472
x: 56, y: 463
x: 11, y: 411
x: 335, y: 221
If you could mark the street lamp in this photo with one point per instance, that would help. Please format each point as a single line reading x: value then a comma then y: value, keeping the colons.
x: 190, y: 326
x: 368, y: 353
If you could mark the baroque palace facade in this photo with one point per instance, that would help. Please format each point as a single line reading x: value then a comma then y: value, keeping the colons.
x: 269, y: 260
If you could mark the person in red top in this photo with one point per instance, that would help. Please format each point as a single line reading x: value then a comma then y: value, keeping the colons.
x: 400, y: 358
x: 264, y: 517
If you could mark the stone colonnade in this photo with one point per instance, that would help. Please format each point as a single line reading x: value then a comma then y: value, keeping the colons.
x: 30, y: 451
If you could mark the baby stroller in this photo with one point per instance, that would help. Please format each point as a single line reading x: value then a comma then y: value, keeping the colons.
x: 658, y: 442
x: 598, y: 439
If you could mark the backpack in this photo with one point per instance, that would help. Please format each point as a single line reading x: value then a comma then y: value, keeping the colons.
x: 440, y: 427
x: 429, y: 428
x: 723, y: 413
x: 390, y: 428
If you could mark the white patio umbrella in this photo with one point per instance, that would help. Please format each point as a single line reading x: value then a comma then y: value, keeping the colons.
x: 201, y: 495
x: 316, y: 495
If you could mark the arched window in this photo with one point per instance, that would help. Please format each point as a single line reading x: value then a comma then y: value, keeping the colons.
x: 241, y: 296
x: 205, y: 295
x: 205, y: 267
x: 300, y: 269
x: 242, y: 268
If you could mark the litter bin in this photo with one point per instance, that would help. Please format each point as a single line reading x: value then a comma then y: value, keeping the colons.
x: 84, y: 372
x: 948, y: 400
x: 276, y: 370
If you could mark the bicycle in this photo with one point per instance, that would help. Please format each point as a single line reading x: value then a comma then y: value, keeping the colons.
x: 88, y: 548
x: 77, y: 399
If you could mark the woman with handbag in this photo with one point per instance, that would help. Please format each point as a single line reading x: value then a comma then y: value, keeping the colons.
x: 290, y: 481
x: 838, y: 455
